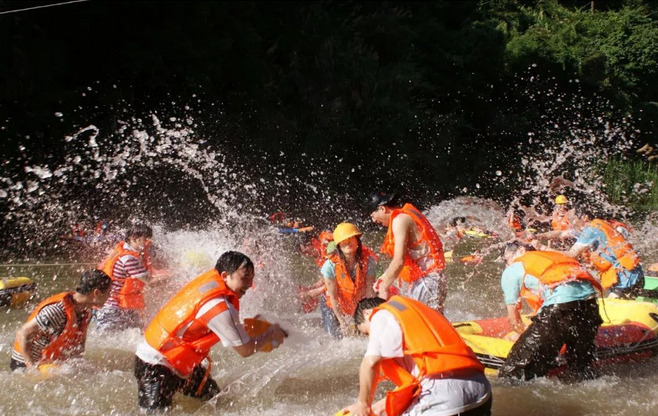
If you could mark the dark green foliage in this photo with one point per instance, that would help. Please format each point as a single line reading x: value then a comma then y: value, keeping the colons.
x: 419, y: 95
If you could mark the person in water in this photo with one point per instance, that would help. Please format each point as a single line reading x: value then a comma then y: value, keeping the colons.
x: 349, y: 275
x: 612, y: 256
x: 417, y: 349
x: 415, y: 248
x: 563, y: 296
x: 561, y: 217
x: 203, y: 313
x: 318, y: 248
x: 127, y: 267
x: 57, y: 328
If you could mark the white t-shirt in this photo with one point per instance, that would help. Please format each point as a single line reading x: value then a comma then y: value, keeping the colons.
x: 220, y: 316
x: 438, y: 397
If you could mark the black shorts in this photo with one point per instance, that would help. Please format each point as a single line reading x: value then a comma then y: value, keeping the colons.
x: 156, y: 385
x: 16, y: 365
x: 574, y: 324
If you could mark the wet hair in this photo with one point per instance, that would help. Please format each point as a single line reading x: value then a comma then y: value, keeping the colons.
x: 395, y: 201
x: 139, y: 230
x: 363, y: 305
x: 231, y: 261
x: 512, y: 246
x: 93, y: 279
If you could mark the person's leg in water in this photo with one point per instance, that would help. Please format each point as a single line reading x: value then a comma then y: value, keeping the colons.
x: 584, y: 324
x: 156, y: 385
x: 534, y: 353
x: 329, y: 321
x: 200, y: 385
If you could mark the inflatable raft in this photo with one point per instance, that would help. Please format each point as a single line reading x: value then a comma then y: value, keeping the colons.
x: 650, y: 283
x: 628, y: 334
x: 16, y: 291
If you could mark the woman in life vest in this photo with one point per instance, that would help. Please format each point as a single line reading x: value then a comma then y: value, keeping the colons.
x: 57, y: 328
x: 418, y: 350
x: 349, y: 275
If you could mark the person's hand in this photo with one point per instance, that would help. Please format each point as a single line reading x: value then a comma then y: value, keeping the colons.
x: 379, y: 407
x: 357, y: 409
x: 381, y: 288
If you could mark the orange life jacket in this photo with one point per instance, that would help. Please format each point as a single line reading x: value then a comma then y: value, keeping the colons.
x: 350, y: 292
x: 131, y: 295
x: 432, y: 342
x: 514, y: 222
x: 617, y: 247
x: 560, y: 221
x: 551, y: 269
x: 319, y: 245
x: 174, y: 331
x: 72, y: 339
x: 411, y: 271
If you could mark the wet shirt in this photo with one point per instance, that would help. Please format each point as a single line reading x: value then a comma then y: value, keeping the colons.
x: 438, y: 396
x: 51, y: 321
x: 125, y: 267
x: 218, y: 315
x: 595, y: 239
x: 512, y: 279
x: 328, y: 270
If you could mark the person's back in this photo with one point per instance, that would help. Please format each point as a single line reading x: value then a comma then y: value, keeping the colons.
x: 401, y: 333
x: 615, y: 259
x: 563, y: 295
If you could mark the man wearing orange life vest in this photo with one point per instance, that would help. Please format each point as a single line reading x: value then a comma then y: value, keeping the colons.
x: 126, y: 266
x: 560, y: 218
x: 349, y: 274
x: 418, y: 350
x: 203, y: 313
x: 57, y: 328
x: 563, y: 296
x: 415, y: 248
x: 612, y: 256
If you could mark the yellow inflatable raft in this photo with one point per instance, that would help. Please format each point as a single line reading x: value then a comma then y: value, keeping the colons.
x: 629, y: 333
x: 16, y: 291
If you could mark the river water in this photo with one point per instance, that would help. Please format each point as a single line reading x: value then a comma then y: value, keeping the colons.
x: 310, y: 375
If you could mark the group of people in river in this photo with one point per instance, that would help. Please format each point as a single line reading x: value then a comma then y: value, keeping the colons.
x: 410, y: 342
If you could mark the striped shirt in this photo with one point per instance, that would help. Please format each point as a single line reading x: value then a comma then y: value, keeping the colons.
x: 51, y: 321
x: 127, y: 266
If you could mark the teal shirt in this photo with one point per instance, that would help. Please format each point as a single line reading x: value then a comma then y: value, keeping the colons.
x: 568, y: 292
